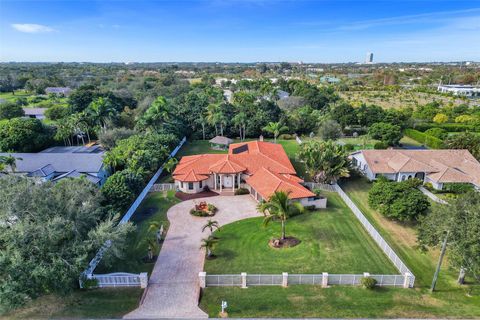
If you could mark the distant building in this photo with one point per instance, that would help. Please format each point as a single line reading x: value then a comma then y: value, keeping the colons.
x: 57, y: 163
x: 58, y: 90
x: 35, y: 113
x: 329, y: 79
x: 369, y: 58
x: 460, y: 90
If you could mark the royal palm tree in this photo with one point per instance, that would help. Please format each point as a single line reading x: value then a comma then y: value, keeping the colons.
x: 240, y: 121
x: 208, y: 244
x: 211, y: 224
x: 276, y: 128
x: 101, y: 110
x: 279, y: 207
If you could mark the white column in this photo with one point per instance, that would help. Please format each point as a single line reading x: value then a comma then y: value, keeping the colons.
x: 221, y: 182
x: 233, y: 182
x: 203, y: 279
x: 143, y: 280
x: 406, y: 282
x: 239, y: 179
x: 284, y: 279
x: 324, y: 280
x: 244, y: 279
x: 215, y: 180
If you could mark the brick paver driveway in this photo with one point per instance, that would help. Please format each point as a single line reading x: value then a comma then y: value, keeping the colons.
x: 173, y: 288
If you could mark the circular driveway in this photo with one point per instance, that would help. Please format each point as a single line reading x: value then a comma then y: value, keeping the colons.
x: 173, y: 288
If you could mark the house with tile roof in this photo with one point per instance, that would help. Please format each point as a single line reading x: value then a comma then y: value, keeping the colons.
x: 261, y: 167
x: 431, y: 166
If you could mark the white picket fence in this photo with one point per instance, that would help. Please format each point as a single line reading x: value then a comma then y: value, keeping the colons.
x: 88, y: 273
x: 284, y: 279
x: 160, y: 187
x: 120, y: 279
x: 321, y: 186
x: 397, y: 262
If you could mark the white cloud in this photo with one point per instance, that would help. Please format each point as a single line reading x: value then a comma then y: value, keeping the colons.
x: 32, y: 28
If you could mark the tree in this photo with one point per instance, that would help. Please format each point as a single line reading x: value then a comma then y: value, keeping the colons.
x: 24, y: 135
x: 279, y: 207
x: 240, y: 121
x: 386, y: 132
x: 458, y: 226
x: 81, y: 98
x: 121, y: 189
x: 170, y: 164
x: 208, y: 244
x: 398, y: 200
x: 440, y: 118
x: 326, y: 161
x: 344, y: 114
x: 10, y: 161
x: 57, y: 112
x: 101, y: 110
x: 465, y: 140
x: 211, y: 224
x: 48, y: 234
x: 330, y: 130
x: 275, y: 128
x: 9, y: 110
x: 109, y: 138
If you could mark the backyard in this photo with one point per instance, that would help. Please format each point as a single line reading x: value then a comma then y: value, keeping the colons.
x: 332, y: 240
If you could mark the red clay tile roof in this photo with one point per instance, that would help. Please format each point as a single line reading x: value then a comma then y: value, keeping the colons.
x: 266, y: 182
x: 253, y: 158
x: 439, y: 165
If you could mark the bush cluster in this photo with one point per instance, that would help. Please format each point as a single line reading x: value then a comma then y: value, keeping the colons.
x: 241, y: 191
x: 368, y: 283
x: 425, y: 139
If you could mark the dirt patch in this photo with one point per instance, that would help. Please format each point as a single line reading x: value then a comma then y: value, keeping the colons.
x: 288, y: 242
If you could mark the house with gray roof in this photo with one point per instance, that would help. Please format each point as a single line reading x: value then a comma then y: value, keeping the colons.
x: 58, y: 163
x: 36, y: 113
x: 65, y: 91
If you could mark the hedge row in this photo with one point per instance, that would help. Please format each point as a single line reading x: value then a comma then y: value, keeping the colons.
x: 425, y: 139
x: 449, y: 127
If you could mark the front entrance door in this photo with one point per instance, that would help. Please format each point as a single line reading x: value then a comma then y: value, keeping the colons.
x: 227, y: 181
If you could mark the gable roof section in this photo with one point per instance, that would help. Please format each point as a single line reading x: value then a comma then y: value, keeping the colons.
x: 447, y: 165
x: 227, y: 165
x: 221, y: 140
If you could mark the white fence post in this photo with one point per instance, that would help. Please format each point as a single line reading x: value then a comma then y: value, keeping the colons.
x: 143, y: 280
x: 203, y: 279
x: 324, y: 280
x: 406, y: 281
x: 244, y: 279
x: 284, y: 279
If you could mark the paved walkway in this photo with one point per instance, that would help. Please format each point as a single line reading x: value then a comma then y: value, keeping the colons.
x: 173, y: 288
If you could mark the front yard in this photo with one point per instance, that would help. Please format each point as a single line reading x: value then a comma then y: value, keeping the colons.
x: 332, y: 240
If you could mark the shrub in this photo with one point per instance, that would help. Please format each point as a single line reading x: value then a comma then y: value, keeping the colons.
x: 380, y: 145
x: 241, y: 191
x: 436, y: 132
x: 368, y: 283
x: 286, y: 136
x: 386, y: 132
x: 424, y: 138
x: 212, y: 208
x: 199, y: 213
x: 457, y: 187
x: 310, y: 208
x: 57, y: 112
x: 89, y: 283
x: 349, y: 147
x: 317, y: 192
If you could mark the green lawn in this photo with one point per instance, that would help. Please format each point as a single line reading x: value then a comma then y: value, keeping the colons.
x: 409, y: 142
x: 97, y: 303
x: 332, y: 240
x: 153, y: 209
x: 449, y: 300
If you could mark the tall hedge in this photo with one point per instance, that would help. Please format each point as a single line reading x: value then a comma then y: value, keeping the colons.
x: 425, y: 139
x: 450, y: 127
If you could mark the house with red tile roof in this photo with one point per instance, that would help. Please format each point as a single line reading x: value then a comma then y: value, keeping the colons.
x: 431, y: 166
x: 261, y: 167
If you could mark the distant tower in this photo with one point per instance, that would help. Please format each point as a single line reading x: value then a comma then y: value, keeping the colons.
x: 369, y: 58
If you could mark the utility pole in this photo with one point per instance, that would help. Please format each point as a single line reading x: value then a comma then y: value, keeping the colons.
x: 442, y: 254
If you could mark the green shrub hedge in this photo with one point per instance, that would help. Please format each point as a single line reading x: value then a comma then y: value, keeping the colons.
x: 368, y: 283
x: 241, y: 191
x: 449, y: 127
x: 425, y: 139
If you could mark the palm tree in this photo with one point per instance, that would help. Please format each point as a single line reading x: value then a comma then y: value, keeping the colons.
x: 275, y: 128
x: 211, y: 224
x: 101, y: 110
x: 213, y: 116
x: 202, y: 120
x: 279, y: 207
x: 208, y: 244
x: 240, y: 120
x: 10, y: 161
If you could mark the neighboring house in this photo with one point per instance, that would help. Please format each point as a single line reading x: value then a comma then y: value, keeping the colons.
x: 58, y: 90
x: 431, y: 166
x: 220, y: 143
x: 460, y: 90
x: 282, y: 94
x: 261, y: 167
x: 329, y: 79
x: 36, y: 113
x: 57, y: 163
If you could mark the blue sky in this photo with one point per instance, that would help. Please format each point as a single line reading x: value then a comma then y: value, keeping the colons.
x: 239, y: 31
